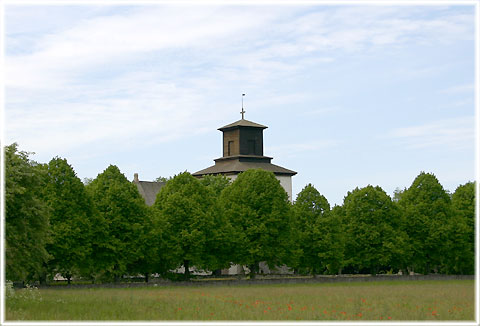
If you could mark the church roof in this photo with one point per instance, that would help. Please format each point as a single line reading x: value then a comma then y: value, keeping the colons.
x: 242, y: 123
x: 237, y: 166
x: 149, y: 190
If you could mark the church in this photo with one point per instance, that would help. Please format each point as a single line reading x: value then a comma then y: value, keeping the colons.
x: 242, y: 150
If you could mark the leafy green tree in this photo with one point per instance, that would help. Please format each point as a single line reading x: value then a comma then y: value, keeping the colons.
x: 69, y: 220
x: 309, y: 207
x: 215, y: 182
x: 185, y: 206
x: 329, y: 241
x: 397, y: 194
x: 259, y: 210
x: 149, y: 255
x: 120, y: 214
x: 372, y: 226
x: 463, y: 228
x: 162, y: 179
x: 220, y: 241
x: 428, y: 214
x: 26, y: 216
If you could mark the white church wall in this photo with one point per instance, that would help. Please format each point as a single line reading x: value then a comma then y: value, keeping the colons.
x: 232, y: 177
x: 286, y: 183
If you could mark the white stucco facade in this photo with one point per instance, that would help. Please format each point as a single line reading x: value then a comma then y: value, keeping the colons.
x: 286, y: 183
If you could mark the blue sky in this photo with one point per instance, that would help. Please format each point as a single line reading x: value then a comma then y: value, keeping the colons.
x: 352, y: 95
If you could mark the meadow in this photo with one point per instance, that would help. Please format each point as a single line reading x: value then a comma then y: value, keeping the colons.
x: 362, y: 301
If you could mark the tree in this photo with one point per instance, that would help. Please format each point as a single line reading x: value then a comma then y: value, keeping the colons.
x: 120, y: 214
x: 309, y: 207
x: 332, y: 243
x: 397, y: 194
x: 463, y: 255
x: 428, y: 212
x: 223, y: 231
x: 149, y: 257
x: 259, y: 211
x: 185, y: 206
x: 26, y: 216
x: 70, y: 219
x: 215, y: 182
x: 162, y: 179
x: 372, y: 226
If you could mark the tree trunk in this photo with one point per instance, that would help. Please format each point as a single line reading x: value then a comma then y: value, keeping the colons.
x: 253, y: 270
x: 69, y: 278
x: 115, y: 274
x: 42, y: 279
x: 187, y: 269
x: 146, y: 277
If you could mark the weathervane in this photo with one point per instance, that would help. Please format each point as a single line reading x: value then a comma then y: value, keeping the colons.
x: 243, y: 111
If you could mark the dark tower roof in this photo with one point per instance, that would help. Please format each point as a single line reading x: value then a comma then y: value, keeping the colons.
x: 243, y: 150
x: 242, y: 123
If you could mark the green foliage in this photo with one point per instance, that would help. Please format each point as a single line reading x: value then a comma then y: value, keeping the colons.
x: 397, y: 194
x: 215, y: 182
x: 148, y: 258
x: 372, y: 225
x: 329, y: 240
x: 428, y: 222
x: 102, y: 227
x: 70, y: 219
x: 117, y: 225
x: 222, y: 233
x: 463, y: 203
x: 317, y: 233
x: 26, y: 216
x: 259, y: 211
x: 185, y: 208
x: 162, y: 179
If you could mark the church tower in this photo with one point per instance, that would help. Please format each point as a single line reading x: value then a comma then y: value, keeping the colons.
x: 243, y: 150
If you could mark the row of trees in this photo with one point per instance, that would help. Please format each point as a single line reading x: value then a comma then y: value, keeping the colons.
x: 103, y: 230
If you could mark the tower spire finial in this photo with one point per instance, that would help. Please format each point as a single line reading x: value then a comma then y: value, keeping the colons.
x: 243, y: 111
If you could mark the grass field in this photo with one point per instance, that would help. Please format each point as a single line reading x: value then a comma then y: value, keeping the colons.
x: 389, y: 300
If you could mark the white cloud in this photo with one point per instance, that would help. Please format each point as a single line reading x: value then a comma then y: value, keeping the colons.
x: 457, y: 133
x: 126, y: 111
x: 458, y: 89
x: 228, y: 32
x: 92, y: 81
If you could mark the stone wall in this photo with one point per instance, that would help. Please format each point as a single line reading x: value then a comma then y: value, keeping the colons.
x: 277, y: 280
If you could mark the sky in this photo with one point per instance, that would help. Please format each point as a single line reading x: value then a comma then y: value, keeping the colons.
x: 351, y: 95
